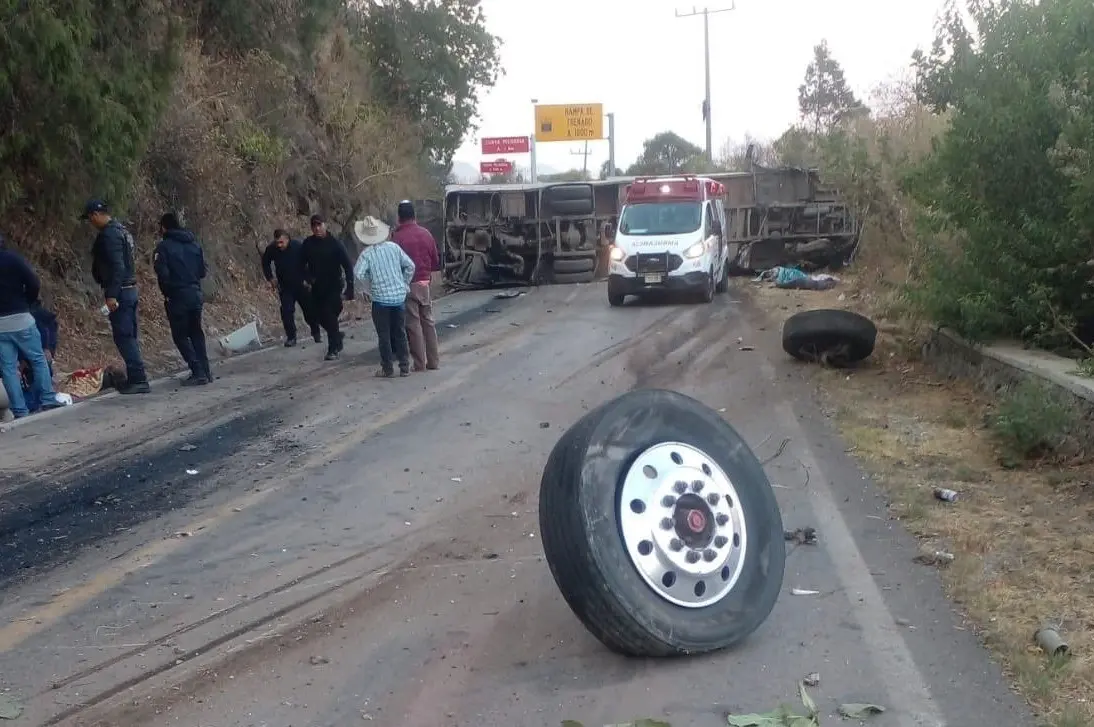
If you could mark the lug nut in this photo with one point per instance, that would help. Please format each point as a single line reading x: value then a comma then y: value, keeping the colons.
x: 709, y: 555
x: 676, y: 544
x: 692, y: 557
x: 680, y: 487
x: 712, y: 499
x: 722, y: 519
x: 697, y: 485
x: 720, y: 541
x: 666, y: 523
x: 668, y: 501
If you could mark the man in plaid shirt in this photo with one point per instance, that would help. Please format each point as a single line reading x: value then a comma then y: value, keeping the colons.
x: 386, y: 272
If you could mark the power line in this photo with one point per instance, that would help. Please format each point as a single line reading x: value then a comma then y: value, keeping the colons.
x: 706, y: 13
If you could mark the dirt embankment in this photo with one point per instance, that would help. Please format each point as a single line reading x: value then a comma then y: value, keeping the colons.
x: 245, y: 145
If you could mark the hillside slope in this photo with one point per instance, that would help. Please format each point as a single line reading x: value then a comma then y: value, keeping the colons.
x: 241, y: 115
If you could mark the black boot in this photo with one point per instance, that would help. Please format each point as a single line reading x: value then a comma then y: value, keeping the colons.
x: 290, y: 342
x: 135, y: 387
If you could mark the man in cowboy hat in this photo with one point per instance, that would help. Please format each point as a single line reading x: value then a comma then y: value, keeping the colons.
x: 386, y: 272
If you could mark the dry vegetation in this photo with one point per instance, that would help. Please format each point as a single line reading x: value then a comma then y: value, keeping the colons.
x: 1021, y: 535
x: 247, y: 141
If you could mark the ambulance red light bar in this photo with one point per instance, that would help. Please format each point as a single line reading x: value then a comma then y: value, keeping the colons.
x: 687, y: 187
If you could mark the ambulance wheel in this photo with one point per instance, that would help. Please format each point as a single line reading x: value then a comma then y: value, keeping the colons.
x: 660, y: 527
x: 723, y: 281
x: 707, y: 296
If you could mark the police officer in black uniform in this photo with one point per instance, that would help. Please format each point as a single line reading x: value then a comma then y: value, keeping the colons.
x: 329, y: 273
x: 180, y: 268
x: 113, y: 268
x: 283, y: 255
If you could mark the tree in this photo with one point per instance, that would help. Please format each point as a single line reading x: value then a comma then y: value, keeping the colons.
x: 1011, y: 177
x: 666, y: 153
x: 79, y: 109
x: 431, y: 60
x: 605, y: 172
x: 739, y: 156
x: 824, y: 98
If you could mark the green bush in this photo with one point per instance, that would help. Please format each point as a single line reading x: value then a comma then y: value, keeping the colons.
x: 1030, y: 421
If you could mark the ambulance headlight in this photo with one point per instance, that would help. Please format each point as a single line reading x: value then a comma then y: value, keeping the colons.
x: 695, y: 250
x: 616, y: 254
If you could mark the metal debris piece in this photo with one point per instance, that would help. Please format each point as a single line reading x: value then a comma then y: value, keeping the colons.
x: 318, y: 660
x: 803, y: 592
x: 941, y: 493
x: 801, y: 536
x: 812, y: 679
x: 1051, y: 642
x: 187, y: 448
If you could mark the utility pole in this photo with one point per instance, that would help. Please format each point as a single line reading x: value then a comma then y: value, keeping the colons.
x: 532, y: 143
x: 584, y: 162
x: 706, y: 13
x: 611, y: 144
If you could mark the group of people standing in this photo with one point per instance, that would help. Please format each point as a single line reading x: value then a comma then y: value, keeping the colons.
x: 396, y: 267
x: 317, y: 275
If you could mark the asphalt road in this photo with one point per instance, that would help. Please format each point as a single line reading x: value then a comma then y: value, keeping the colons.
x: 303, y: 544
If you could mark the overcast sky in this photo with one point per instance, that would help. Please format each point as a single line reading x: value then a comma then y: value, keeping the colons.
x: 646, y: 66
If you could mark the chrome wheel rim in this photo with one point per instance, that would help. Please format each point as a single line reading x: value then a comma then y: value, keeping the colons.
x: 682, y: 525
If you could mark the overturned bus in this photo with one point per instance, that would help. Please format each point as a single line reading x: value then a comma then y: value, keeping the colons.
x: 520, y: 234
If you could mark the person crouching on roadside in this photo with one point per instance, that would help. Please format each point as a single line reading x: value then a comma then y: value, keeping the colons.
x: 19, y: 336
x: 180, y: 267
x: 386, y: 272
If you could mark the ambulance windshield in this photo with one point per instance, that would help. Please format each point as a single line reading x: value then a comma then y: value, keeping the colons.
x: 661, y: 218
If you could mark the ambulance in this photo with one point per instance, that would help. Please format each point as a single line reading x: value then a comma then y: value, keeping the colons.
x: 670, y: 238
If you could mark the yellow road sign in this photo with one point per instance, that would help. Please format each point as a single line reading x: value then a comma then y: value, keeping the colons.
x: 570, y: 122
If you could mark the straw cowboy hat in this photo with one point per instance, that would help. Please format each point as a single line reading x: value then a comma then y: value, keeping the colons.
x: 370, y: 231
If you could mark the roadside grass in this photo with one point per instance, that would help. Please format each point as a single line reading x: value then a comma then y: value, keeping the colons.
x: 1021, y: 531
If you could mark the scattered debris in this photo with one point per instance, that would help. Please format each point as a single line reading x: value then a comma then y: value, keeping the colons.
x: 794, y: 279
x: 457, y: 479
x: 545, y: 425
x: 801, y: 536
x: 941, y: 493
x: 812, y: 679
x: 803, y: 592
x: 187, y: 448
x: 510, y: 294
x: 318, y: 660
x: 783, y: 716
x: 183, y: 534
x: 9, y: 708
x: 832, y: 337
x: 938, y: 557
x: 860, y: 711
x: 1051, y: 642
x: 191, y: 472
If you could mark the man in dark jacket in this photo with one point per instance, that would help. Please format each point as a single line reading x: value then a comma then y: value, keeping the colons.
x: 180, y: 268
x: 328, y: 272
x: 114, y: 269
x: 19, y: 336
x: 283, y: 254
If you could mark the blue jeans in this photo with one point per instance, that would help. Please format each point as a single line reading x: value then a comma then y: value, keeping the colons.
x: 123, y: 324
x: 28, y: 344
